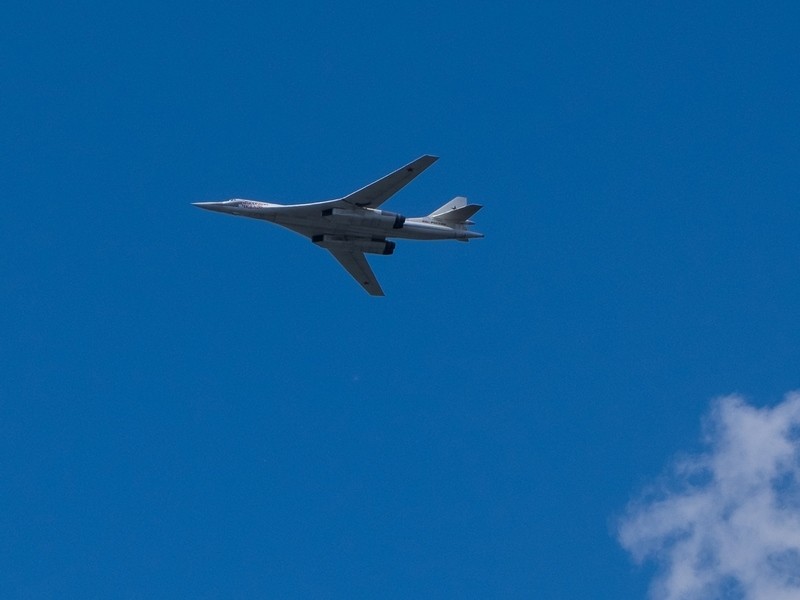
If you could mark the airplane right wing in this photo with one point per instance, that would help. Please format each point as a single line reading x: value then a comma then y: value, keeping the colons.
x: 355, y: 263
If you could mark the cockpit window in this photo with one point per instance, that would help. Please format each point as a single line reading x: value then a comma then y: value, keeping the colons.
x: 236, y: 203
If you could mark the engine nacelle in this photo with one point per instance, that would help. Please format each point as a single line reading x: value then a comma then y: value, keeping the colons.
x: 365, y: 217
x: 332, y: 242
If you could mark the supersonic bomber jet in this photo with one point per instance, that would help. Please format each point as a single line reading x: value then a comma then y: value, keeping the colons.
x: 352, y: 226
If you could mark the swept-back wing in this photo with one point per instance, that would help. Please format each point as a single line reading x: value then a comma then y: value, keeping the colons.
x: 375, y: 194
x: 355, y: 263
x: 370, y: 196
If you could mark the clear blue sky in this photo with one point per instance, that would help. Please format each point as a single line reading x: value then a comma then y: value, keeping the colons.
x: 193, y: 405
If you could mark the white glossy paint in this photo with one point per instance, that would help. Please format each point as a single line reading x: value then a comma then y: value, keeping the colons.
x: 350, y: 226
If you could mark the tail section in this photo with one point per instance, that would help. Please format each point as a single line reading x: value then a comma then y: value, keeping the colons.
x: 455, y: 212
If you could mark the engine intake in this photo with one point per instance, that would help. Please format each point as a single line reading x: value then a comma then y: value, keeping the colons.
x: 365, y: 217
x: 331, y: 242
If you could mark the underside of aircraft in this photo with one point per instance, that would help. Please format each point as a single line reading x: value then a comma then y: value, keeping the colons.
x: 353, y: 226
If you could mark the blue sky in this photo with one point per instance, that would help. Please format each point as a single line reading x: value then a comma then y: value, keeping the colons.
x: 196, y: 405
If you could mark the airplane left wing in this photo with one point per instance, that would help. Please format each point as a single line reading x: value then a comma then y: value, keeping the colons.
x: 370, y: 196
x: 355, y: 263
x: 378, y: 192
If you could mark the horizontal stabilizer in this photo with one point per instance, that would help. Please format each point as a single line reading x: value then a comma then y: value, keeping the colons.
x: 456, y: 211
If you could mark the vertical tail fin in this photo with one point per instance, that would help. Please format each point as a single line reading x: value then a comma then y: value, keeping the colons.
x: 455, y: 212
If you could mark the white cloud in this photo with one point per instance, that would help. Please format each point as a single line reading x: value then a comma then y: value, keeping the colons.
x: 726, y: 523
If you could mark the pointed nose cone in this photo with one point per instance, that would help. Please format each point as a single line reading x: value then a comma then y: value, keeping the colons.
x: 215, y: 206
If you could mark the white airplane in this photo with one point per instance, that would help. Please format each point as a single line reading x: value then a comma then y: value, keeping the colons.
x: 351, y: 226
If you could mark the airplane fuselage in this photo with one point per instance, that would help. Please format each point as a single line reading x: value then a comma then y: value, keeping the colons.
x: 352, y: 226
x: 356, y: 221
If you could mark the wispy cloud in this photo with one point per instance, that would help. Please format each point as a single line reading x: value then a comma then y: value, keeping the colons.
x: 726, y: 523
